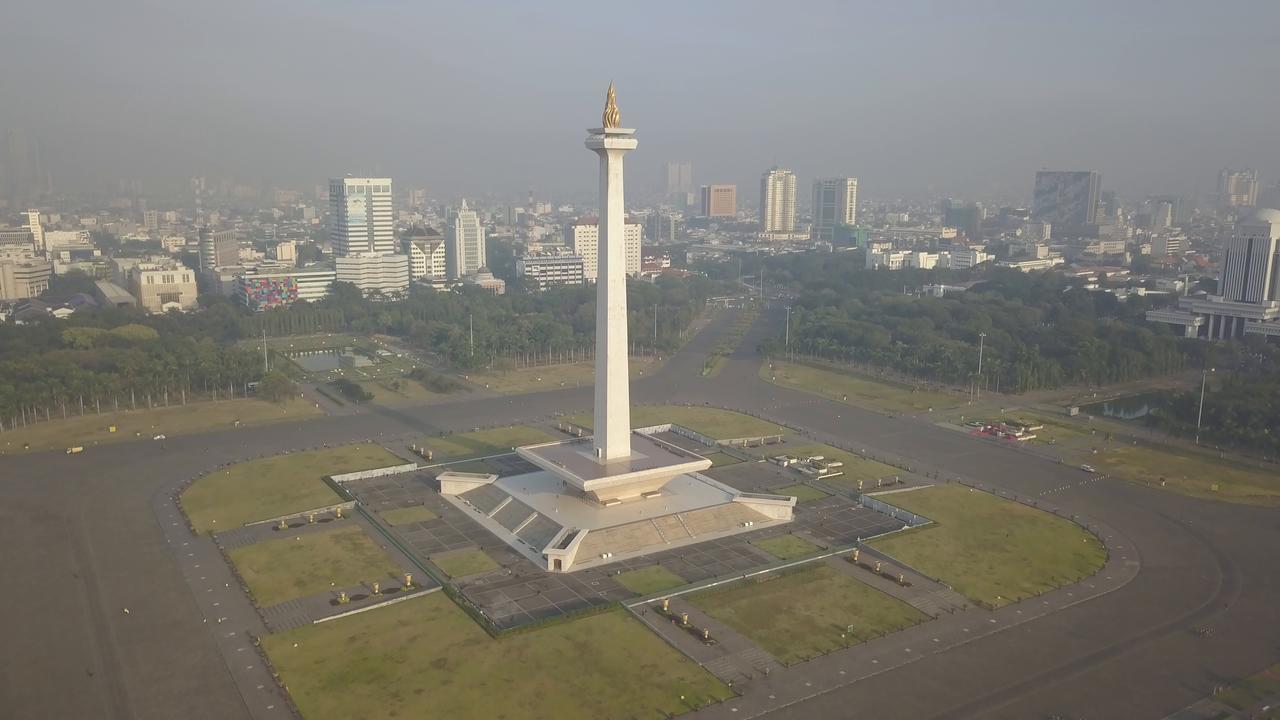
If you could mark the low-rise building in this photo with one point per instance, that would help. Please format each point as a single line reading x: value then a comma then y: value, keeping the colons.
x: 544, y: 270
x: 485, y: 280
x: 163, y: 286
x: 374, y: 274
x: 23, y: 275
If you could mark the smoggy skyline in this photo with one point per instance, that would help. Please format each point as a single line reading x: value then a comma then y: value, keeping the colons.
x: 917, y: 99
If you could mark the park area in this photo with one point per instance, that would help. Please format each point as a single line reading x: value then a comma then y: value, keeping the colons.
x: 461, y: 563
x: 882, y: 395
x: 712, y: 422
x: 406, y: 515
x: 786, y: 547
x: 270, y: 487
x: 1189, y: 472
x: 196, y: 417
x: 486, y: 442
x: 649, y: 580
x: 991, y: 550
x: 424, y: 658
x: 552, y: 377
x: 310, y: 563
x: 854, y: 469
x: 796, y: 616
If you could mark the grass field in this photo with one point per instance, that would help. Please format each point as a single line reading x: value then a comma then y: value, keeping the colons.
x: 719, y: 459
x: 407, y: 515
x: 1190, y: 473
x: 712, y: 422
x: 652, y: 579
x: 800, y: 615
x: 274, y: 486
x: 90, y: 430
x: 855, y: 389
x: 786, y: 547
x: 1253, y: 690
x: 991, y: 550
x: 855, y: 468
x: 297, y: 566
x: 461, y: 563
x: 424, y: 658
x: 408, y: 392
x: 551, y: 377
x: 486, y: 442
x: 801, y: 492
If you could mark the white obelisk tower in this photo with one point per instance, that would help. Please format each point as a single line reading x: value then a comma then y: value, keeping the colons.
x: 612, y: 431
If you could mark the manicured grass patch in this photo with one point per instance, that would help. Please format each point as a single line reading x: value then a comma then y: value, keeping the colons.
x: 89, y: 430
x: 425, y: 658
x: 297, y: 566
x: 461, y: 563
x: 855, y: 389
x: 274, y: 486
x: 855, y: 468
x: 799, y: 615
x: 992, y: 550
x: 551, y: 377
x: 406, y: 515
x: 801, y: 492
x: 652, y: 579
x: 719, y: 459
x: 1252, y: 690
x: 1190, y: 473
x: 785, y: 547
x: 712, y: 422
x: 486, y: 442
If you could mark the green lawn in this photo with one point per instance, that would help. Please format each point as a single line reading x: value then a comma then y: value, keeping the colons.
x: 424, y: 658
x: 801, y: 492
x: 1190, y: 473
x: 712, y: 422
x: 786, y: 547
x: 461, y: 563
x: 855, y: 389
x: 551, y: 377
x: 196, y: 417
x: 1253, y: 690
x: 296, y: 566
x: 719, y: 459
x: 800, y: 615
x: 407, y: 515
x: 992, y: 550
x: 652, y: 579
x: 274, y: 486
x: 486, y: 442
x: 855, y: 468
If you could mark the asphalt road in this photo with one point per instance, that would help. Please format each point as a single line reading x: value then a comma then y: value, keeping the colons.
x: 81, y: 543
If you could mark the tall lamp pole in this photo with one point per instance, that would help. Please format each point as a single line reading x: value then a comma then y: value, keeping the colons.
x: 981, y: 338
x: 787, y: 343
x: 1204, y: 379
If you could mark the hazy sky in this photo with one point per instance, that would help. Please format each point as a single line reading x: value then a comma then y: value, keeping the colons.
x: 916, y: 99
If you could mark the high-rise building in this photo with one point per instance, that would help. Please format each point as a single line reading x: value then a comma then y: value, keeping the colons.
x: 1179, y: 208
x: 965, y: 217
x: 778, y: 201
x: 679, y: 177
x: 464, y: 238
x: 218, y: 249
x: 1238, y: 188
x: 583, y: 237
x: 360, y: 216
x: 719, y: 201
x: 427, y: 255
x: 150, y: 220
x: 1250, y: 265
x: 835, y: 203
x: 662, y: 226
x: 37, y: 230
x: 1067, y: 198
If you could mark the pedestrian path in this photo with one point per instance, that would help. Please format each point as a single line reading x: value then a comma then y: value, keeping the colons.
x: 732, y: 657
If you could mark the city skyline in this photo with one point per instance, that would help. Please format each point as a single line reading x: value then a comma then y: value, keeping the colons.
x: 992, y: 137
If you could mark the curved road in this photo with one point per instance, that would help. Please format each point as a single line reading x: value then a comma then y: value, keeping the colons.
x: 81, y: 543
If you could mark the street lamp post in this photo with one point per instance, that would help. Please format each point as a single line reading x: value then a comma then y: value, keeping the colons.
x: 981, y: 339
x: 1204, y: 379
x: 787, y: 342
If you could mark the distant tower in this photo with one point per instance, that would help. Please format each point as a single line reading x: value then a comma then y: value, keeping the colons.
x: 612, y: 431
x: 360, y: 219
x: 778, y: 201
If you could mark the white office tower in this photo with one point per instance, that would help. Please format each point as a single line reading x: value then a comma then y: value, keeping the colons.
x: 1250, y: 264
x: 464, y: 240
x: 778, y: 201
x: 377, y: 276
x: 37, y: 230
x: 583, y: 237
x: 835, y: 203
x: 360, y: 216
